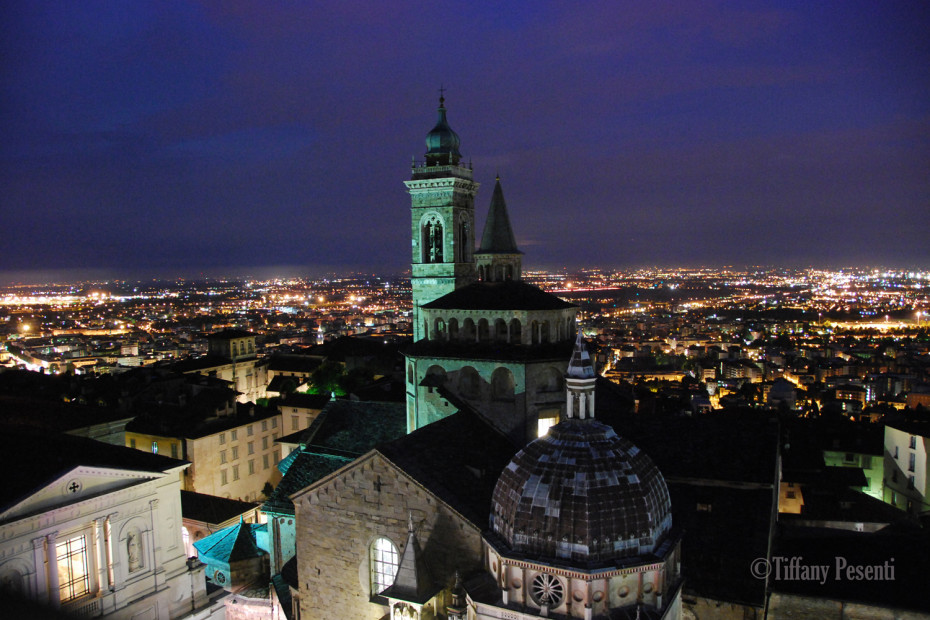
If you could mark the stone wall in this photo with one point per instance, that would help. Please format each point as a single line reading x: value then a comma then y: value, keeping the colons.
x: 339, y: 517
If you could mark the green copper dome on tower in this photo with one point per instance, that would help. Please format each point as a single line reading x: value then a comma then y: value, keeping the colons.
x: 442, y: 144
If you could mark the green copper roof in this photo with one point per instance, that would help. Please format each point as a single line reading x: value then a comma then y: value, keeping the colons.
x: 498, y: 235
x: 230, y: 544
x: 442, y: 143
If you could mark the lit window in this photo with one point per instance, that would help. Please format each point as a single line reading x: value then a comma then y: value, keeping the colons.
x: 544, y: 424
x: 384, y: 562
x: 73, y: 573
x: 154, y: 447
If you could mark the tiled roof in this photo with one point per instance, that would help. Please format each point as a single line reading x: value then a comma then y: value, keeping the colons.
x: 446, y: 459
x: 210, y: 508
x: 304, y: 469
x: 233, y: 543
x: 509, y: 295
x: 293, y: 363
x: 354, y: 427
x: 305, y: 401
x: 59, y: 454
x: 583, y: 495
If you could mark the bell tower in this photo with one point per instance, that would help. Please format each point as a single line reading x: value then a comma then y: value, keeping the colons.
x: 442, y: 196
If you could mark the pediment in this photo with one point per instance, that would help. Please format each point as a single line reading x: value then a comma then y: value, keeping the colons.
x: 77, y: 485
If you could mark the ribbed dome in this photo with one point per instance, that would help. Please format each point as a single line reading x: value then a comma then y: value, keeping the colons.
x: 582, y: 495
x: 442, y: 144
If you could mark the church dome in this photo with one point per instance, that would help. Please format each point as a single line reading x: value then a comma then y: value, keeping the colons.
x: 442, y: 144
x: 582, y: 496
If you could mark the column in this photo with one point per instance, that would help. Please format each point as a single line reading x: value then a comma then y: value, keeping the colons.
x: 51, y: 555
x: 40, y: 557
x: 153, y: 542
x: 99, y: 538
x: 108, y: 550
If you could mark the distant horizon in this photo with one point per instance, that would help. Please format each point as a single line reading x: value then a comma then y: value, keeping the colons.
x: 74, y: 276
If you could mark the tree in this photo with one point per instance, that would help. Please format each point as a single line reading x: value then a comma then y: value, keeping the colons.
x: 326, y: 378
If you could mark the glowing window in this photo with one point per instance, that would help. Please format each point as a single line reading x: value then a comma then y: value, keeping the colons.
x: 154, y: 447
x: 384, y: 562
x: 544, y: 424
x: 73, y: 573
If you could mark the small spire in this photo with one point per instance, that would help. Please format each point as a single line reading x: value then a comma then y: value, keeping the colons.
x: 411, y: 528
x: 442, y: 92
x: 580, y: 367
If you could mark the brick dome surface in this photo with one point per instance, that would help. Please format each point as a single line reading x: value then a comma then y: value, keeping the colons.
x: 583, y: 496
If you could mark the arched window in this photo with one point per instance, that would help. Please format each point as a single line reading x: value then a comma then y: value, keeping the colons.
x: 469, y: 382
x: 516, y: 331
x: 534, y: 332
x: 432, y: 240
x: 502, y: 384
x: 483, y: 331
x: 544, y: 332
x: 468, y: 330
x: 383, y: 561
x: 453, y: 329
x: 500, y: 330
x: 439, y: 330
x: 435, y: 377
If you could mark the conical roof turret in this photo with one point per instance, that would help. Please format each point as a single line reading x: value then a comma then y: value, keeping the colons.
x: 497, y: 237
x: 580, y: 366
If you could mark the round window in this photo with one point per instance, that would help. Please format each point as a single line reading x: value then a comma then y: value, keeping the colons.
x: 547, y: 590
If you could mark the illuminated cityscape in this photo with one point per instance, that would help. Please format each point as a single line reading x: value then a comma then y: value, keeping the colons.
x: 681, y: 371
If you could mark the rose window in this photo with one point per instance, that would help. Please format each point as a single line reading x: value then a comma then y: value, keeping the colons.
x: 547, y: 590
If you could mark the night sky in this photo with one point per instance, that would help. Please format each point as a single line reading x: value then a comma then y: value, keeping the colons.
x: 176, y: 138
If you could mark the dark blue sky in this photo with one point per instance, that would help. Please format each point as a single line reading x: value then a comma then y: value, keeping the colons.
x: 169, y: 138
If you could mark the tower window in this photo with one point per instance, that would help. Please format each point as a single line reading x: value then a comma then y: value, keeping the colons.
x: 384, y: 562
x: 432, y: 241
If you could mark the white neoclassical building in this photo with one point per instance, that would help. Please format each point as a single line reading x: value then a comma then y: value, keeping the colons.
x: 94, y: 530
